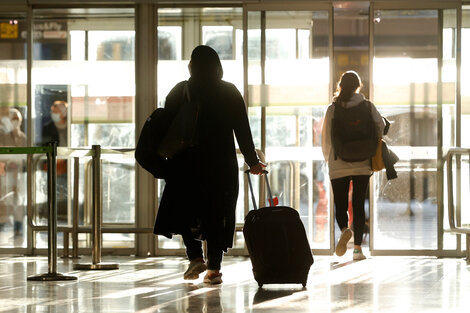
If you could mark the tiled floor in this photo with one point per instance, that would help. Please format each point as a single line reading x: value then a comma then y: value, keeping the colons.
x: 378, y: 284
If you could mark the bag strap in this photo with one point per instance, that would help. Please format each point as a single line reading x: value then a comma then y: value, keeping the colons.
x: 369, y: 104
x: 187, y: 96
x: 332, y: 128
x: 186, y: 92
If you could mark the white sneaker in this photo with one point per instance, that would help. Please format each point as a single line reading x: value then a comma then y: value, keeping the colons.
x: 358, y: 255
x: 341, y: 247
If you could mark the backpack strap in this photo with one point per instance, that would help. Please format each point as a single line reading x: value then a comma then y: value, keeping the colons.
x: 185, y: 97
x: 336, y: 106
x: 332, y: 126
x: 369, y: 104
x: 186, y: 93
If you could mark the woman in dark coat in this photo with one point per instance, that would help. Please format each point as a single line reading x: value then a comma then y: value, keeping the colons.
x: 201, y: 191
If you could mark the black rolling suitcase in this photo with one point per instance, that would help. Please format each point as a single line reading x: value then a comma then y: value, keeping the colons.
x: 277, y: 243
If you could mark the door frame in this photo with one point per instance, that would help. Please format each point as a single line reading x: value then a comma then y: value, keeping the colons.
x: 293, y: 6
x: 439, y: 7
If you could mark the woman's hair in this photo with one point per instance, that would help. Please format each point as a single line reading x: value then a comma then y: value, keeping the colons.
x: 205, y: 64
x: 347, y: 86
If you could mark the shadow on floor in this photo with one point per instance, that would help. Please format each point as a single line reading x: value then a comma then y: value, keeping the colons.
x: 263, y: 295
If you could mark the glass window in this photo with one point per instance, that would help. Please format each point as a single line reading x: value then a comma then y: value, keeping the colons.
x: 220, y: 39
x: 465, y: 77
x: 465, y: 115
x: 111, y: 45
x: 214, y: 27
x: 169, y: 43
x: 293, y: 92
x: 405, y: 91
x: 84, y: 94
x: 13, y: 80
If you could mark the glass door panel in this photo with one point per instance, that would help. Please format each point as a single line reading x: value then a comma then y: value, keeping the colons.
x: 405, y: 82
x: 219, y: 28
x: 465, y: 78
x: 449, y: 110
x: 180, y: 30
x: 288, y: 90
x: 465, y: 119
x: 255, y: 76
x: 84, y: 94
x: 13, y: 80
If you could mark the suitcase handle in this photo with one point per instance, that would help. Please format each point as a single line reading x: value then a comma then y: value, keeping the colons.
x: 265, y: 172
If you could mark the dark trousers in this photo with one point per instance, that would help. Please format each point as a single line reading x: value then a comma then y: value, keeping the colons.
x: 194, y: 251
x: 340, y: 191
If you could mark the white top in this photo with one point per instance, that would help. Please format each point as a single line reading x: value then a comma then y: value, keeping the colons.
x: 339, y: 168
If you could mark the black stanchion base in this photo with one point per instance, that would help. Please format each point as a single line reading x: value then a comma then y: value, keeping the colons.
x: 51, y: 277
x: 97, y: 266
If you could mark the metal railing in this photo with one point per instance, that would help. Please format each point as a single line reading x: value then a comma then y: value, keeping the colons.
x: 51, y: 152
x: 96, y: 263
x: 455, y: 226
x: 96, y: 229
x: 74, y: 229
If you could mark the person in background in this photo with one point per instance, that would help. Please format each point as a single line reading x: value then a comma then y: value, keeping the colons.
x: 201, y: 190
x: 56, y: 129
x: 11, y: 200
x: 342, y: 172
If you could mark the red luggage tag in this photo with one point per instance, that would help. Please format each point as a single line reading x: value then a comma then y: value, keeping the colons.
x: 274, y: 202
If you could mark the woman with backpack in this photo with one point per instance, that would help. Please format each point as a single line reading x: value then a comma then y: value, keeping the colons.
x: 350, y: 133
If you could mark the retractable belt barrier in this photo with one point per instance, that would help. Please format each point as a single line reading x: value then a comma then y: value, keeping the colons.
x: 96, y: 263
x: 96, y: 153
x: 51, y: 152
x: 75, y: 229
x: 97, y: 228
x: 455, y: 226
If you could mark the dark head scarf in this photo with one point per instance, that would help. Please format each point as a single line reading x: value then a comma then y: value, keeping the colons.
x: 205, y: 65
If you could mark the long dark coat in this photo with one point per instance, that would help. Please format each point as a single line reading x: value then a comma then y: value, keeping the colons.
x: 202, y: 188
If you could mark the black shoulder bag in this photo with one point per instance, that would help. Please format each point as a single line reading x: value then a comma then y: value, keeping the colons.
x: 182, y: 132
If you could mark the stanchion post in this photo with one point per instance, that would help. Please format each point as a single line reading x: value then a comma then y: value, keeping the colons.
x: 52, y: 274
x: 468, y: 248
x: 76, y: 168
x: 52, y: 218
x: 97, y: 207
x: 97, y: 218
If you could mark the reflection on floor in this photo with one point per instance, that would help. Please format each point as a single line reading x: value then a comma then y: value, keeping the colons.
x: 378, y: 284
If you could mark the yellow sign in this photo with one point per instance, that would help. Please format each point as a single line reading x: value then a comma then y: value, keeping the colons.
x: 8, y: 31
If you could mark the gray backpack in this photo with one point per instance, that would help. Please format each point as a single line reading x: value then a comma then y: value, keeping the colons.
x: 353, y: 132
